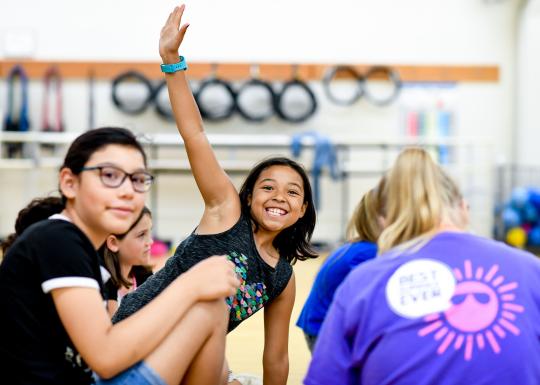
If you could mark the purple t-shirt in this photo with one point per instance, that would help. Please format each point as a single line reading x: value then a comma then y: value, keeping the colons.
x: 460, y: 310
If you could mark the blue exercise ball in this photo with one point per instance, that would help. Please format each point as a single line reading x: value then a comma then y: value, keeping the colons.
x: 534, y: 198
x: 529, y: 213
x: 534, y: 236
x: 511, y: 217
x: 520, y: 196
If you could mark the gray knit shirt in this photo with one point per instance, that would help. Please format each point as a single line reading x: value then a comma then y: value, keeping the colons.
x: 260, y: 283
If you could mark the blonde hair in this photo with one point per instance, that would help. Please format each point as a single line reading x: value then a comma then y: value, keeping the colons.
x: 419, y: 195
x: 364, y: 224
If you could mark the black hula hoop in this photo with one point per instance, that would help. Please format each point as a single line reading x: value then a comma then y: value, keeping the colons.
x: 161, y: 109
x: 205, y: 112
x: 392, y: 75
x: 329, y: 77
x: 127, y: 76
x: 255, y: 83
x: 279, y: 99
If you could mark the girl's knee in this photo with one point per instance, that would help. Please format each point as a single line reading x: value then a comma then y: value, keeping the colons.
x: 212, y: 312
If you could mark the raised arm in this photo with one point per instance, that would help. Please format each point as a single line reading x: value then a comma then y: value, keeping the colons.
x: 219, y: 194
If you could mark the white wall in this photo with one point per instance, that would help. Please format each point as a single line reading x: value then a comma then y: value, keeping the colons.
x: 384, y: 31
x: 528, y: 86
x: 360, y: 31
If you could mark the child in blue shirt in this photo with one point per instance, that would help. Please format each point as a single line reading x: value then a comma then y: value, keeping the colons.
x: 363, y: 230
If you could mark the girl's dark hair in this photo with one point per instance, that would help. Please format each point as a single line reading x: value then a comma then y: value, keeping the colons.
x: 37, y: 210
x: 112, y: 259
x: 293, y: 243
x: 77, y: 155
x: 91, y: 141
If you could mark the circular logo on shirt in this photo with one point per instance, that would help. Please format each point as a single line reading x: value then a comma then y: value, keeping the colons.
x: 485, y: 310
x: 420, y: 287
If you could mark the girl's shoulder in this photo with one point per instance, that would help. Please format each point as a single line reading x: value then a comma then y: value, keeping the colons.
x: 54, y: 236
x: 242, y: 225
x: 363, y: 249
x: 49, y: 231
x: 237, y: 239
x: 353, y: 251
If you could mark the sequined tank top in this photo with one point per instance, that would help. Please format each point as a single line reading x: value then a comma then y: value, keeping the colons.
x: 260, y: 282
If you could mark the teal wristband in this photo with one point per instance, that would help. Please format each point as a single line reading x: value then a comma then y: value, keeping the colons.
x: 171, y: 68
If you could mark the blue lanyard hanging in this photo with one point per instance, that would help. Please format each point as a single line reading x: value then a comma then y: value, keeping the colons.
x: 17, y: 121
x: 325, y: 156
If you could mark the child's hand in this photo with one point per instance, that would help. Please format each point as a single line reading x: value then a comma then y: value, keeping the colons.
x: 213, y: 278
x: 172, y: 35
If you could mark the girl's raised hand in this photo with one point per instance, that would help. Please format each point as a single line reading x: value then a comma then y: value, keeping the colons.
x: 172, y: 35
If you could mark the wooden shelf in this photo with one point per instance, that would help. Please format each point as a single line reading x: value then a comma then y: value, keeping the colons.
x: 241, y: 71
x: 237, y: 141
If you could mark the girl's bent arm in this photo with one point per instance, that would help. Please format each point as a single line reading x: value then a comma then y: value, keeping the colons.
x: 109, y: 349
x: 277, y: 316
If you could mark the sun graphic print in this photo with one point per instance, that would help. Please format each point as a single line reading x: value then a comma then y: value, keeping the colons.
x: 482, y: 312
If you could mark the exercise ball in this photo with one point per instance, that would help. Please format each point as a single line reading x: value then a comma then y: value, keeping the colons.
x: 510, y: 218
x: 529, y: 213
x: 520, y: 196
x: 517, y: 237
x: 534, y: 236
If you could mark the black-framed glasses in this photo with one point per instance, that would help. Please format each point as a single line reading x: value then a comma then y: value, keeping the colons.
x: 112, y: 176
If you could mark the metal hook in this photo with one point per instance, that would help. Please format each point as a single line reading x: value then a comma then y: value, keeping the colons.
x: 295, y: 71
x: 255, y: 71
x: 213, y: 70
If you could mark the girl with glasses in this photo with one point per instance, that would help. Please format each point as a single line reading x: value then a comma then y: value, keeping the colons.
x: 54, y: 327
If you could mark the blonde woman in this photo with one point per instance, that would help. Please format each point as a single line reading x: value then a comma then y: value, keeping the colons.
x: 439, y: 305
